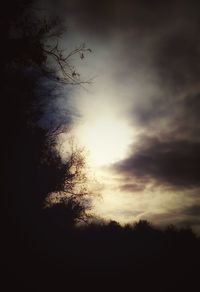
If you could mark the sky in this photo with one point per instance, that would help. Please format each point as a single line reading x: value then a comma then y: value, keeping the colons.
x: 140, y: 117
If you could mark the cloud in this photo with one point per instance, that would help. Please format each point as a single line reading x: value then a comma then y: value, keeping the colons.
x: 193, y: 210
x: 132, y: 187
x: 109, y: 15
x: 168, y: 151
x: 188, y: 216
x: 169, y: 163
x: 165, y: 33
x: 148, y: 51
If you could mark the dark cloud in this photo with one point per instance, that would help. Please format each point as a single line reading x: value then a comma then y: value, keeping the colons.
x: 132, y: 187
x: 182, y: 113
x: 178, y: 58
x: 192, y: 211
x: 173, y: 163
x: 104, y: 16
x: 181, y: 217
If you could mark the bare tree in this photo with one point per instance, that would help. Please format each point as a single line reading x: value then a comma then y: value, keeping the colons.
x: 74, y: 193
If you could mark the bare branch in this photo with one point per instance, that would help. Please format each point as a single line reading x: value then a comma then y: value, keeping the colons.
x: 69, y: 75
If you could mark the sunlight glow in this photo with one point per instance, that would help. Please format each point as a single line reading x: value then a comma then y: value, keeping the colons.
x: 106, y: 139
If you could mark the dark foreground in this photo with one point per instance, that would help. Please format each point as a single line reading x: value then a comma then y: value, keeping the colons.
x: 104, y: 257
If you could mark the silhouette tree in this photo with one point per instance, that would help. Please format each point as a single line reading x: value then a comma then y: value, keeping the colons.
x: 33, y: 168
x: 143, y: 226
x: 71, y: 191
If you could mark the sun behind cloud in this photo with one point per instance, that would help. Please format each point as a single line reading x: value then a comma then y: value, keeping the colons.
x: 106, y: 138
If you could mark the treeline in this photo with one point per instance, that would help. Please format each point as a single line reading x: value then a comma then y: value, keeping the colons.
x: 108, y: 255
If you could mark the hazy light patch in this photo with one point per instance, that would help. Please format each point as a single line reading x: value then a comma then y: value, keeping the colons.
x: 106, y: 138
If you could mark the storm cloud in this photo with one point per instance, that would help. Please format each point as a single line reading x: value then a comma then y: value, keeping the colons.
x: 173, y: 163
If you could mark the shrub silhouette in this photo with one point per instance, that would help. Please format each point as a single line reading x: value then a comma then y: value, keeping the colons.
x: 65, y: 213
